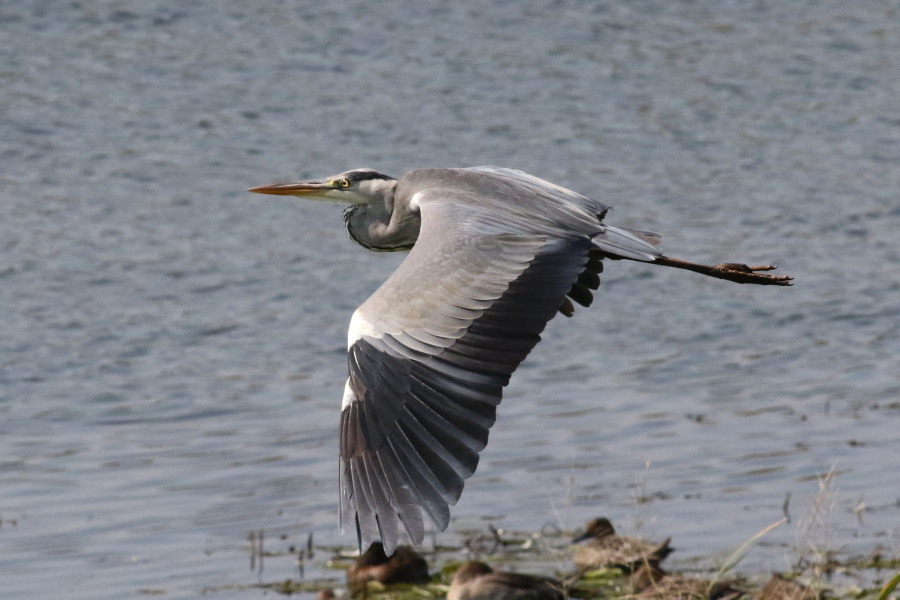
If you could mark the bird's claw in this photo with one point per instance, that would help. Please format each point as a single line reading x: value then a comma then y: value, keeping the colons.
x: 741, y: 273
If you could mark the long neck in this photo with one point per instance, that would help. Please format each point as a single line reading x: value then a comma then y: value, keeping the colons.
x: 382, y: 226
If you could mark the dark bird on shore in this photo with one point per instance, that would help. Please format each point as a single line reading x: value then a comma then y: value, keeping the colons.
x: 477, y: 581
x: 602, y: 547
x: 495, y: 254
x: 405, y: 565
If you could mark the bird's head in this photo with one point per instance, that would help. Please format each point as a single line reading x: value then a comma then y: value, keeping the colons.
x: 359, y: 186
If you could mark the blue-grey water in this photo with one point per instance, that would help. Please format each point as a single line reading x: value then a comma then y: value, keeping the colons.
x: 172, y: 348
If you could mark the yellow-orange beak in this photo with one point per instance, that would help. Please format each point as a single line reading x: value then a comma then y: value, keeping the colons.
x: 297, y: 188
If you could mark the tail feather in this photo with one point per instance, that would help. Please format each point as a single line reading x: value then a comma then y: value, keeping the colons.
x: 634, y: 244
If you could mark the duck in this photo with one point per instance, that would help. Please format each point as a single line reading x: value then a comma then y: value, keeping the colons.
x: 604, y: 548
x: 405, y: 565
x: 476, y: 580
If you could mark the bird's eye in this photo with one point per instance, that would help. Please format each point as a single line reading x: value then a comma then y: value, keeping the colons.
x: 344, y: 183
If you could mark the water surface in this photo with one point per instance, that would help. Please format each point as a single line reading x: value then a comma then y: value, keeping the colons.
x: 172, y: 348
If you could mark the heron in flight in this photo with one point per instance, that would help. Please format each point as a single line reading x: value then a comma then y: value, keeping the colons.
x: 494, y: 254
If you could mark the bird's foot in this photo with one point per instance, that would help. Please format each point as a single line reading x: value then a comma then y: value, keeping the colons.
x: 737, y: 272
x: 741, y: 273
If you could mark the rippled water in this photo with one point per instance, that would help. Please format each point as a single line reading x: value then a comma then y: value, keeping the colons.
x: 172, y: 348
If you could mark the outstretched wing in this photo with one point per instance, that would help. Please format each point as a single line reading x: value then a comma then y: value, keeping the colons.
x: 431, y: 350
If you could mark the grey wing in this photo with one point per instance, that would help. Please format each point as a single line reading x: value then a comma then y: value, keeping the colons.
x: 581, y: 213
x: 429, y: 354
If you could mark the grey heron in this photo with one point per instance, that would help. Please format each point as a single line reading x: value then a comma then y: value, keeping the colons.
x: 495, y: 253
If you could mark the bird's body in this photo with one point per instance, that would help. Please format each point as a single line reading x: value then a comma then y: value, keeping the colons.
x: 603, y: 547
x: 405, y: 565
x: 477, y: 581
x: 495, y: 254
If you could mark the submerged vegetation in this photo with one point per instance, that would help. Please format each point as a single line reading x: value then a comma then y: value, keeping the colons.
x: 549, y: 555
x: 594, y: 563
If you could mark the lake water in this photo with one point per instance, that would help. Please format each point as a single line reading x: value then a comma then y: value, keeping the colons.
x: 172, y: 348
